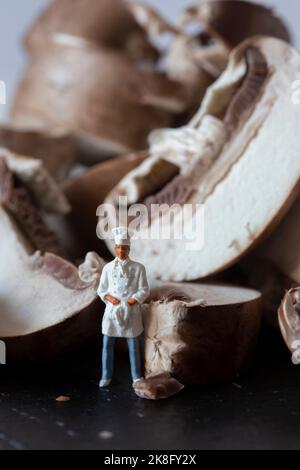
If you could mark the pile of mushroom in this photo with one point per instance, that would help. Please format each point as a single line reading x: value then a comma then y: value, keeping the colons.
x: 205, y: 121
x: 96, y: 67
x: 90, y: 67
x: 45, y: 305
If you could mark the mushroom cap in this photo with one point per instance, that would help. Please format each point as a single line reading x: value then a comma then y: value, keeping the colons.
x: 200, y: 333
x: 97, y: 95
x: 56, y: 148
x: 107, y: 23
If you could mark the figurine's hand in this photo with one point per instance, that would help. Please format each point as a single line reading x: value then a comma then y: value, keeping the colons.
x: 112, y: 299
x: 132, y: 302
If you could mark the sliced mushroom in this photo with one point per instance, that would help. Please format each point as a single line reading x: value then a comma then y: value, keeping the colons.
x: 42, y: 187
x: 45, y: 306
x: 108, y: 23
x: 200, y: 333
x: 56, y: 149
x: 18, y: 203
x: 157, y: 387
x: 26, y: 192
x: 289, y: 321
x: 100, y: 96
x: 232, y: 170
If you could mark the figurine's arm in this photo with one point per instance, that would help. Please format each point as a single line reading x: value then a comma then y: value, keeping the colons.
x: 103, y: 289
x: 143, y: 288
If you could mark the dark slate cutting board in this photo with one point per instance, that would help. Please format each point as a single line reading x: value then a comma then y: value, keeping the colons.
x: 258, y: 411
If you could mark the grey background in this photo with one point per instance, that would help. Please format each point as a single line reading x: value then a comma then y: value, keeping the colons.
x: 16, y: 16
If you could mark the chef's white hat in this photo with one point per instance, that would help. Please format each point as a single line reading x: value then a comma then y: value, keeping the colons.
x: 121, y: 236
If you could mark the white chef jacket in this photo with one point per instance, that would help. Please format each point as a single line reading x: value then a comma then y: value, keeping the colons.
x: 123, y: 280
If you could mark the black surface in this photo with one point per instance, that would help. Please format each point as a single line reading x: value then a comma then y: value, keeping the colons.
x: 258, y: 411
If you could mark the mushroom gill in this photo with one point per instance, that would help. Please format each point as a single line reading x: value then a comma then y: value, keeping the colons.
x: 251, y: 88
x: 241, y: 104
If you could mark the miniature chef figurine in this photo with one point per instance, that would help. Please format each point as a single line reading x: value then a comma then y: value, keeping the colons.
x: 124, y: 288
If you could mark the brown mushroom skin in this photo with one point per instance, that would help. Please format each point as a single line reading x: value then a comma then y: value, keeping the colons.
x: 115, y: 110
x: 57, y: 150
x: 200, y: 344
x: 52, y: 343
x: 212, y: 356
x: 18, y: 202
x: 108, y: 23
x: 232, y: 21
x: 199, y: 60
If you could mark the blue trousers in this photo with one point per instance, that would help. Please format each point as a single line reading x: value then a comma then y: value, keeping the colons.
x: 108, y: 357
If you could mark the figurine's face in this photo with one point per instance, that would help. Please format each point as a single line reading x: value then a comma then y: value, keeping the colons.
x: 122, y: 251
